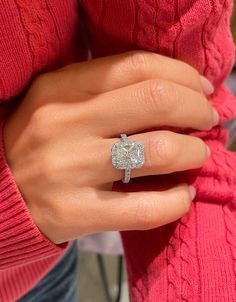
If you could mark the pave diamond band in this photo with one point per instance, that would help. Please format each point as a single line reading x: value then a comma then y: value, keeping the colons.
x: 127, y: 155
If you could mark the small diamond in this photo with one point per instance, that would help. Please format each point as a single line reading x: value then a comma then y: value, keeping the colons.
x: 127, y: 155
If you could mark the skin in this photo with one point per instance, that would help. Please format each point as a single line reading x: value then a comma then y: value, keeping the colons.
x: 58, y: 142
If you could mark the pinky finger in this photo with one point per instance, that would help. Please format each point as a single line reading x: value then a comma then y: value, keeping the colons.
x: 143, y: 210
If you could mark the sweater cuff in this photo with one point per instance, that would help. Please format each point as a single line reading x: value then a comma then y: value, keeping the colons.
x: 21, y: 241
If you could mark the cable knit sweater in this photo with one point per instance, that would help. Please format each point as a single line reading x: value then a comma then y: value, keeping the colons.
x: 192, y: 259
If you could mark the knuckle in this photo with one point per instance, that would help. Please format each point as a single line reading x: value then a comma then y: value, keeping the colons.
x: 37, y: 131
x: 51, y: 166
x: 37, y: 125
x: 56, y: 164
x: 161, y: 150
x: 137, y: 60
x: 40, y: 121
x: 37, y: 118
x: 175, y: 100
x: 133, y: 64
x: 144, y: 214
x: 159, y: 97
x: 49, y: 115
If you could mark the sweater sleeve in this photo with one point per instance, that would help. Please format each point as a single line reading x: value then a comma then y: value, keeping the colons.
x: 193, y: 257
x: 21, y: 242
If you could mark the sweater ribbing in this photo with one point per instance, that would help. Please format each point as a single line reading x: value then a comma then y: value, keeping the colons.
x: 192, y: 259
x: 168, y: 263
x: 35, y: 37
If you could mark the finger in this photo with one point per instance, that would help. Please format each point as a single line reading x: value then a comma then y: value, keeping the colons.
x: 109, y: 73
x: 165, y: 152
x: 150, y: 104
x: 139, y: 210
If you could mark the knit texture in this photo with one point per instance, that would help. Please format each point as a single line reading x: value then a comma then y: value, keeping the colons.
x: 35, y: 36
x: 192, y: 259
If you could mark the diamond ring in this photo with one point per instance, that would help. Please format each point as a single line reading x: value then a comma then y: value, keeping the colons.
x: 127, y: 155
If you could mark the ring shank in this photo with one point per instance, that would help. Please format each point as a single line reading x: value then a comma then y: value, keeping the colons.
x: 127, y: 176
x: 124, y: 138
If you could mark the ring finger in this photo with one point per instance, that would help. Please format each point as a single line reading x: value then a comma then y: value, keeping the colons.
x: 165, y: 152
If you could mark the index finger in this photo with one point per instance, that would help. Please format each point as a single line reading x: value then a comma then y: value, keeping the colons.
x: 117, y: 71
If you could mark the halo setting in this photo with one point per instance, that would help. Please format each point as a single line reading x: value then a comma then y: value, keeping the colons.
x: 127, y: 155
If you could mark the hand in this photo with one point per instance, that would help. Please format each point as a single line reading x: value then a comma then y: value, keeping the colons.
x: 58, y: 142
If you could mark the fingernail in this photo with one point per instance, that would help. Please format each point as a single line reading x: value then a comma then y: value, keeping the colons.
x: 216, y: 117
x: 192, y: 192
x: 207, y: 86
x: 208, y: 150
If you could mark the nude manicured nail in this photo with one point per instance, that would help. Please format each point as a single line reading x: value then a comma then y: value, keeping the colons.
x: 208, y: 150
x: 192, y: 192
x: 207, y: 86
x: 216, y: 117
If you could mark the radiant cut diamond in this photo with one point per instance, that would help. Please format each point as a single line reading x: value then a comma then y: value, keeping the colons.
x: 127, y: 155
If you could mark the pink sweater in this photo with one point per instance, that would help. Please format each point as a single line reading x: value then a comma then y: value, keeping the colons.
x: 192, y: 259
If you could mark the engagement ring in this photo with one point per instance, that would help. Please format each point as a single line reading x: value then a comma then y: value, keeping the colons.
x: 127, y: 155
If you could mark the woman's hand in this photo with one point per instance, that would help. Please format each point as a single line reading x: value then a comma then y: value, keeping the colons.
x: 58, y: 142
